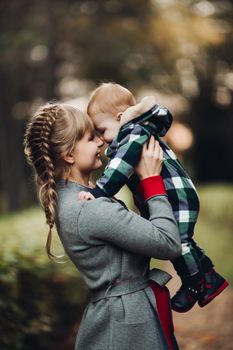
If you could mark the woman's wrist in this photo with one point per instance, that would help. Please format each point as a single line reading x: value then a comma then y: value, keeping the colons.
x: 151, y: 186
x: 147, y: 176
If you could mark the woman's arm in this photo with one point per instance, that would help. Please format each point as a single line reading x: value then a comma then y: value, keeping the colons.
x: 103, y: 220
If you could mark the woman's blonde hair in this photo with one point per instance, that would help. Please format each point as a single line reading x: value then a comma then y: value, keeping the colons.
x: 109, y: 98
x: 54, y: 130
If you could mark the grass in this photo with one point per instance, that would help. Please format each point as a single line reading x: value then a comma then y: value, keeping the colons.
x: 25, y: 234
x: 26, y: 231
x: 214, y: 228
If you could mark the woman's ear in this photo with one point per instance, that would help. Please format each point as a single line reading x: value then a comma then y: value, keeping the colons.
x: 68, y: 158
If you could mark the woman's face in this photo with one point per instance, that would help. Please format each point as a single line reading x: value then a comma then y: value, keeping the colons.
x: 86, y: 154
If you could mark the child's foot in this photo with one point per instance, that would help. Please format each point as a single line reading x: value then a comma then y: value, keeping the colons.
x: 186, y: 297
x: 214, y: 284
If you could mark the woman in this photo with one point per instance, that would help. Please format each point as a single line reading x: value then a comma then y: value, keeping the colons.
x: 110, y: 245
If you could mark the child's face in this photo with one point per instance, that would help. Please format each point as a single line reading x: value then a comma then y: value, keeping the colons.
x: 107, y: 126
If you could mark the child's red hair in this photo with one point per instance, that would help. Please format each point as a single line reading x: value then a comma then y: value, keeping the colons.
x: 109, y: 98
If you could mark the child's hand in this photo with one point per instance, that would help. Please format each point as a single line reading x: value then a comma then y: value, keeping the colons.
x: 85, y: 196
x: 135, y: 111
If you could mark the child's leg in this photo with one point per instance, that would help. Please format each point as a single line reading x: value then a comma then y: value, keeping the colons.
x: 214, y: 282
x: 200, y: 282
x: 189, y: 269
x: 205, y: 261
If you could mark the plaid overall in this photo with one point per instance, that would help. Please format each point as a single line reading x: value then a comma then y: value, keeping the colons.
x: 124, y: 153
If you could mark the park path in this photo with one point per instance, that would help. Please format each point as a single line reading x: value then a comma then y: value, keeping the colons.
x: 208, y: 328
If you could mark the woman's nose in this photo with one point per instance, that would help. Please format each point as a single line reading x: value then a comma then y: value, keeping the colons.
x: 99, y: 140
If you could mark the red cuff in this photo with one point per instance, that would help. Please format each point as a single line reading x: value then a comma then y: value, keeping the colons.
x: 151, y: 186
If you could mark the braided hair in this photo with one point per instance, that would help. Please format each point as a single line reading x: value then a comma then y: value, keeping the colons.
x: 54, y: 129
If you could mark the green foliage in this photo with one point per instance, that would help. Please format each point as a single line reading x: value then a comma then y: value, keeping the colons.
x: 61, y: 49
x: 214, y: 227
x: 39, y: 299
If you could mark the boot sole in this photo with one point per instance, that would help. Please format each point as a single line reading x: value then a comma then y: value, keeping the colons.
x: 221, y: 288
x: 182, y: 310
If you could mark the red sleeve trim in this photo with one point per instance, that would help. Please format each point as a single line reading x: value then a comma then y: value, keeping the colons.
x: 151, y: 186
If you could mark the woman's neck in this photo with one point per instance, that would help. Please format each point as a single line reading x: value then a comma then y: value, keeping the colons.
x: 76, y: 176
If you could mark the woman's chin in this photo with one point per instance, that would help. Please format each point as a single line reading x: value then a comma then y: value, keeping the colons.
x: 98, y: 164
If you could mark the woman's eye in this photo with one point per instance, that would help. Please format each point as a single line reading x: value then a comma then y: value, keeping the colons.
x: 91, y: 137
x: 99, y: 133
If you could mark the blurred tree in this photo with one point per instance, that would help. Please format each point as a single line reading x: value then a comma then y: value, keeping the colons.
x: 60, y: 49
x: 27, y: 65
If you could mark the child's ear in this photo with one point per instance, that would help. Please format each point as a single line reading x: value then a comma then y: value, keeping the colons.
x: 119, y: 114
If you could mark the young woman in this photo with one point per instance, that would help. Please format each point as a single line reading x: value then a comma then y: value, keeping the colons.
x: 110, y: 246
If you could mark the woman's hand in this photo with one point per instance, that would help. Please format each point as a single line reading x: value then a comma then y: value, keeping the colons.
x: 150, y: 163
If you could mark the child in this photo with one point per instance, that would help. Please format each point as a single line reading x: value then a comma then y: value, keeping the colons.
x: 126, y: 126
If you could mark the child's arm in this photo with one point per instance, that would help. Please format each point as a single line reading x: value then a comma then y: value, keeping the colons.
x: 147, y: 111
x: 121, y: 166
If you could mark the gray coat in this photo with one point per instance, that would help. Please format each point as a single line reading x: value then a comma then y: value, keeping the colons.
x: 109, y: 244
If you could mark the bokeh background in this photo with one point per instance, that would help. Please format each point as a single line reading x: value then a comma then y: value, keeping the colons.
x: 178, y: 50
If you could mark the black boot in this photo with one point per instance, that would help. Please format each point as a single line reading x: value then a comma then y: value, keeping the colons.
x: 213, y: 286
x: 188, y: 294
x: 192, y: 281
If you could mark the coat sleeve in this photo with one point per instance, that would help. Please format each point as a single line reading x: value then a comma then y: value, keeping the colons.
x: 103, y: 220
x: 121, y: 166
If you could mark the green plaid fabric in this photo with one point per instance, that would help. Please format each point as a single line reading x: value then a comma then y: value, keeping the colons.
x: 125, y: 150
x: 181, y: 192
x: 124, y: 153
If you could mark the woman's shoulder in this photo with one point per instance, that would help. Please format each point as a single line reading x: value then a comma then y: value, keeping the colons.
x: 99, y: 215
x: 97, y: 208
x: 69, y: 204
x: 83, y: 217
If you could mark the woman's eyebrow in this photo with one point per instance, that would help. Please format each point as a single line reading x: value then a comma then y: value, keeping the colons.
x: 99, y: 129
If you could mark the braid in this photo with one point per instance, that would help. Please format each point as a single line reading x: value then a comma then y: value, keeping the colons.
x: 52, y: 132
x: 38, y: 151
